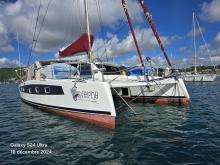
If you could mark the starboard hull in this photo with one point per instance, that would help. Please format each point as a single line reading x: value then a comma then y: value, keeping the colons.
x: 159, y: 91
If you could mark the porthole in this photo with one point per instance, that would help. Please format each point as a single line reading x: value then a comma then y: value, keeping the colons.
x: 37, y: 89
x: 47, y: 90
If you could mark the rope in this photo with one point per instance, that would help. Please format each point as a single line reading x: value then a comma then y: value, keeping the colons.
x: 121, y: 26
x: 205, y: 42
x: 135, y: 97
x: 34, y: 42
x: 125, y: 102
x: 101, y: 23
x: 35, y: 29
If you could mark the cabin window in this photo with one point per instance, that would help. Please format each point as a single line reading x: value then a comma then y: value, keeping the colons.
x: 37, y: 89
x: 47, y: 90
x: 85, y: 71
x: 29, y: 90
x: 125, y: 91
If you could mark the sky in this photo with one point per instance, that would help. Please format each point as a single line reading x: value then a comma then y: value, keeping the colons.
x: 62, y: 22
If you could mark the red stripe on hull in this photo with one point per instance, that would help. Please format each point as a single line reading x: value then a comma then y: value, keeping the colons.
x: 161, y: 101
x: 102, y: 120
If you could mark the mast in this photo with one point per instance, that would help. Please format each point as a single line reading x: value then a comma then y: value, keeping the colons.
x: 149, y: 18
x: 194, y: 43
x: 132, y: 31
x: 18, y: 49
x: 88, y: 29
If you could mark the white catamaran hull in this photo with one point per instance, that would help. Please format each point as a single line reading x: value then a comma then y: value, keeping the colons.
x: 200, y: 77
x: 170, y: 90
x: 84, y: 100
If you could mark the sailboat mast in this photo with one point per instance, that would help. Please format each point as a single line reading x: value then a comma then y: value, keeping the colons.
x: 194, y: 43
x: 132, y: 30
x: 153, y: 27
x: 88, y: 29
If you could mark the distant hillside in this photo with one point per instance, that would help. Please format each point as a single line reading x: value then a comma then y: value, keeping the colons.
x: 202, y: 69
x: 7, y: 75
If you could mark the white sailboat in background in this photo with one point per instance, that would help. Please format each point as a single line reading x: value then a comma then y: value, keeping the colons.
x: 198, y: 77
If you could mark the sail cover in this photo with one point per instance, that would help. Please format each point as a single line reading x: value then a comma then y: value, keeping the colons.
x: 79, y: 46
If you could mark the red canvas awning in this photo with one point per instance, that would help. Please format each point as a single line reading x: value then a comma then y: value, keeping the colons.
x: 80, y: 45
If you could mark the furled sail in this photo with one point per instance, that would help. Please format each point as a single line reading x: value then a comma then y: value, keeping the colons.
x: 79, y: 46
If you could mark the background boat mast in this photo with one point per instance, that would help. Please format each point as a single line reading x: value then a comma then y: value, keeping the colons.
x: 194, y: 43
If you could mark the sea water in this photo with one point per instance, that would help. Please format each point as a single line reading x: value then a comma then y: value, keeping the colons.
x: 158, y: 134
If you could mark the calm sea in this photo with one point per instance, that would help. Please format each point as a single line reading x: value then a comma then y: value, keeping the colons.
x: 156, y: 135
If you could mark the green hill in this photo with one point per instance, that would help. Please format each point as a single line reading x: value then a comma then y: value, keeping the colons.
x: 7, y: 75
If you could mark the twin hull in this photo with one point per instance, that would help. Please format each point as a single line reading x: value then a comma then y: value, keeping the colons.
x: 92, y: 101
x: 168, y: 90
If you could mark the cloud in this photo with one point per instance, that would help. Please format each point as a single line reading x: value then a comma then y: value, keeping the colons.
x: 8, y: 63
x: 5, y: 45
x: 64, y: 21
x: 156, y: 61
x: 132, y: 61
x: 184, y: 50
x: 119, y: 47
x: 197, y: 32
x: 210, y: 11
x: 217, y: 39
x: 207, y: 54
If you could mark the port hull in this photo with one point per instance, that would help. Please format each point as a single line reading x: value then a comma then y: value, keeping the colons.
x: 85, y: 101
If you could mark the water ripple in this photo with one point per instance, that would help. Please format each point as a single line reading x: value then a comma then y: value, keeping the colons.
x: 157, y: 135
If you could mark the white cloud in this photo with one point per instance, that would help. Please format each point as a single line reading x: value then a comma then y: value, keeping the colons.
x: 156, y: 61
x: 133, y: 61
x: 117, y: 47
x: 5, y: 45
x: 13, y: 8
x: 185, y: 50
x: 64, y: 22
x: 207, y: 54
x: 217, y: 39
x: 197, y: 32
x: 8, y: 63
x: 210, y: 11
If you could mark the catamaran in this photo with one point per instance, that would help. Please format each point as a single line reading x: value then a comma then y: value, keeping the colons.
x: 82, y: 90
x: 198, y: 77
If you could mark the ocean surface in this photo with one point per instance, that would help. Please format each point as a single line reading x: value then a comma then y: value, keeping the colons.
x: 156, y: 135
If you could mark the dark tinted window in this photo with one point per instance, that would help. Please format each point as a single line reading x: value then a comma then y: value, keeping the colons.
x: 85, y: 71
x: 109, y: 69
